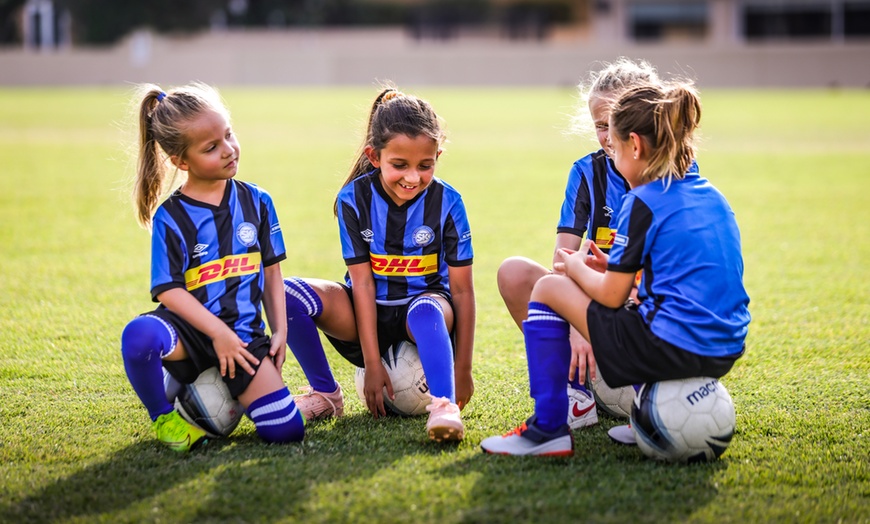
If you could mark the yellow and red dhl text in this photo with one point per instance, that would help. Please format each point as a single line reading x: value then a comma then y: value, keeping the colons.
x: 217, y: 270
x: 604, y: 237
x: 394, y: 265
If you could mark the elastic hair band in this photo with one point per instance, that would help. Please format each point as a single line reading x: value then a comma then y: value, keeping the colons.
x: 161, y: 96
x: 392, y: 94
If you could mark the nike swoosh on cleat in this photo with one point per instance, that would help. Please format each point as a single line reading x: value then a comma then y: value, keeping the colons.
x: 180, y: 445
x: 580, y: 412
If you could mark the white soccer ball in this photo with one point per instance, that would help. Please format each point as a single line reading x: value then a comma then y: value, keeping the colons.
x: 688, y: 420
x: 207, y: 403
x: 616, y: 402
x: 171, y: 386
x: 403, y: 365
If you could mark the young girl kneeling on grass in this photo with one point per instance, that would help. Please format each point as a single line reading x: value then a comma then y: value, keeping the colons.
x: 406, y: 242
x: 674, y: 225
x: 215, y: 248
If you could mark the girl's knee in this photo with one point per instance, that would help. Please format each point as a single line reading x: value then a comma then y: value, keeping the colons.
x: 301, y: 298
x: 549, y: 286
x: 518, y: 273
x: 146, y: 335
x: 285, y: 432
x: 276, y: 418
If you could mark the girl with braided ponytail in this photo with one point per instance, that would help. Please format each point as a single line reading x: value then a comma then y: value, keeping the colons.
x: 677, y: 228
x: 406, y: 241
x: 216, y: 245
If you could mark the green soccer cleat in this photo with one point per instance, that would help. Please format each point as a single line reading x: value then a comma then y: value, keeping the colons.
x: 177, y: 433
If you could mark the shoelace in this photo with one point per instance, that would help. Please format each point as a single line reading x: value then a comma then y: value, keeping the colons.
x: 438, y: 403
x: 519, y: 430
x: 309, y: 391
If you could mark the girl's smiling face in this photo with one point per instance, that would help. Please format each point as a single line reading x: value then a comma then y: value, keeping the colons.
x: 407, y: 165
x: 599, y: 109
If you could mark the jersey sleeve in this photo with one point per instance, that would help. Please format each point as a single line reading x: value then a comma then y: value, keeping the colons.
x: 576, y: 207
x: 632, y: 230
x: 168, y: 256
x: 354, y: 248
x: 457, y: 236
x: 271, y: 239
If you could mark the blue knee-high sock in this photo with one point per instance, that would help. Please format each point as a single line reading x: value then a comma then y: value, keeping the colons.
x: 143, y: 342
x: 426, y: 323
x: 548, y: 352
x: 276, y: 417
x: 303, y: 306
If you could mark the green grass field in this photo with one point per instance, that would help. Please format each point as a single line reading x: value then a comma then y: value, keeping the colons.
x: 76, y: 445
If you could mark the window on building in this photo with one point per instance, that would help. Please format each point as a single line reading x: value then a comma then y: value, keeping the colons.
x: 795, y: 20
x: 668, y: 20
x: 807, y: 19
x: 856, y: 19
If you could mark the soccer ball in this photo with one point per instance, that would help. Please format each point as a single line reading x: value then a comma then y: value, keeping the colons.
x: 688, y: 420
x: 171, y: 386
x: 616, y: 402
x: 206, y: 403
x: 409, y: 382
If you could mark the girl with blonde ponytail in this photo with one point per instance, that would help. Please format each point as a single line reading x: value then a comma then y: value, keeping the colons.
x: 593, y: 193
x: 692, y: 317
x: 216, y: 245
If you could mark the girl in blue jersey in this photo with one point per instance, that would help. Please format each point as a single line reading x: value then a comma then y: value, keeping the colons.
x: 680, y: 231
x: 216, y: 247
x: 406, y: 242
x: 593, y: 195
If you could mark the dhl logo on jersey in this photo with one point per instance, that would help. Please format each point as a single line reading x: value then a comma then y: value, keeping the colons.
x: 217, y: 270
x: 604, y: 237
x: 404, y: 266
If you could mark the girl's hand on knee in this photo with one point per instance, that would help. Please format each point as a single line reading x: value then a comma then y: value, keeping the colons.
x: 231, y: 351
x: 595, y: 258
x: 278, y: 351
x: 559, y: 263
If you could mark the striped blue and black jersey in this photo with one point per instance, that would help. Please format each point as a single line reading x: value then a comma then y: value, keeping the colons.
x: 218, y: 252
x: 410, y: 246
x: 686, y: 240
x: 592, y: 198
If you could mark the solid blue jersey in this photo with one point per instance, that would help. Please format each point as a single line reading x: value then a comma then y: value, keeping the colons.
x: 218, y: 253
x: 410, y: 246
x: 592, y: 198
x: 686, y: 240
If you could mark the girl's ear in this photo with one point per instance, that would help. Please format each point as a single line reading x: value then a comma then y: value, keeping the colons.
x: 438, y: 154
x: 638, y: 146
x: 178, y: 162
x: 373, y: 156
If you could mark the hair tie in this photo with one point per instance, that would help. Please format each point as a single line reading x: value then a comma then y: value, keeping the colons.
x: 161, y: 96
x: 392, y: 94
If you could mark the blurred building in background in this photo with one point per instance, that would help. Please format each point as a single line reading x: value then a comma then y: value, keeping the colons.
x: 724, y: 42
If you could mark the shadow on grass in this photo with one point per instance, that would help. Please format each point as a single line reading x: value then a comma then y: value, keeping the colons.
x: 602, y: 482
x: 227, y: 478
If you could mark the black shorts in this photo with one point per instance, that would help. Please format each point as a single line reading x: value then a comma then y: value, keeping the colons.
x: 202, y: 355
x: 392, y: 329
x: 627, y: 351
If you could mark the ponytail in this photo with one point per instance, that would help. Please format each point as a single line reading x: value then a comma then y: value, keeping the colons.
x: 666, y: 118
x: 151, y: 168
x: 162, y: 119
